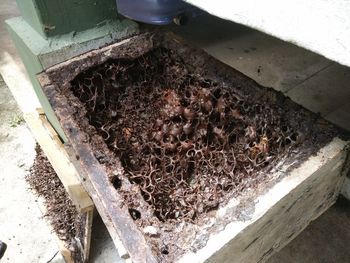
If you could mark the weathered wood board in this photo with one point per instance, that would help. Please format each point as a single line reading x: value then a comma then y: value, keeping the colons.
x: 43, y: 132
x: 54, y: 150
x: 49, y: 141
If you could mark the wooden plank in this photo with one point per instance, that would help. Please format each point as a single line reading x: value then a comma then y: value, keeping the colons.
x: 59, y: 159
x: 53, y: 134
x: 48, y: 139
x: 87, y: 229
x: 43, y: 132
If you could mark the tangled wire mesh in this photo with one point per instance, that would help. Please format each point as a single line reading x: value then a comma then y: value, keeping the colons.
x: 187, y: 142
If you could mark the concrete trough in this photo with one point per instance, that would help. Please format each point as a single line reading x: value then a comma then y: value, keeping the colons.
x: 245, y: 226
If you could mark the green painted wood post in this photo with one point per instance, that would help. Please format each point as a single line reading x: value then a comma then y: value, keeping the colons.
x: 53, y: 17
x: 50, y: 31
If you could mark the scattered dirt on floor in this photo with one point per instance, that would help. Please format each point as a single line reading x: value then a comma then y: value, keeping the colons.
x: 60, y: 211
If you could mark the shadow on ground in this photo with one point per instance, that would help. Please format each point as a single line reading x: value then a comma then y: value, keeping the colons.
x: 325, y: 240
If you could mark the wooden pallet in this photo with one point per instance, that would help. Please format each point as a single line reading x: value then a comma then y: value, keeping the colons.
x: 53, y: 148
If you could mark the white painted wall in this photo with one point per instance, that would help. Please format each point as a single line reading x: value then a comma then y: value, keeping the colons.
x: 322, y: 26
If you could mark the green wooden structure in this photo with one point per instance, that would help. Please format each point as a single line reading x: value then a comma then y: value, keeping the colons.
x: 49, y: 32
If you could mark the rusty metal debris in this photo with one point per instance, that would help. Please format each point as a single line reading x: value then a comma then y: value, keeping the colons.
x: 184, y: 140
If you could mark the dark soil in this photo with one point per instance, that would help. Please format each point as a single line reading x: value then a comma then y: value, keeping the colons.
x: 61, y: 213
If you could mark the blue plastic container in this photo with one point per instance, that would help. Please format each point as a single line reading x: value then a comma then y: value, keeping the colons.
x: 157, y: 12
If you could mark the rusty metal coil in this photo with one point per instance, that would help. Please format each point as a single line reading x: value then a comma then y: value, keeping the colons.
x: 187, y: 142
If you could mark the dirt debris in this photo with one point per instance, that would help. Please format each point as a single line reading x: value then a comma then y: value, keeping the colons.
x: 60, y: 211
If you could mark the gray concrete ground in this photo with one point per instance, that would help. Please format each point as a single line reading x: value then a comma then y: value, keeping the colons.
x: 310, y: 79
x: 22, y: 226
x: 326, y: 240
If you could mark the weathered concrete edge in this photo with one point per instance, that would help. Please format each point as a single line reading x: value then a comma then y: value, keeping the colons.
x: 270, y: 199
x: 279, y: 19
